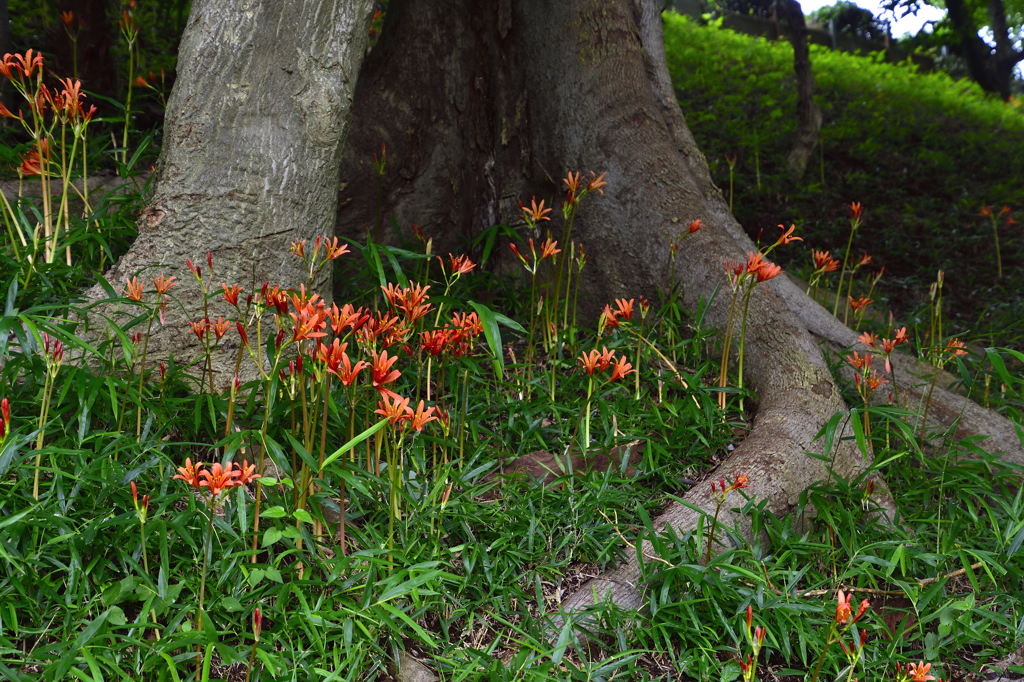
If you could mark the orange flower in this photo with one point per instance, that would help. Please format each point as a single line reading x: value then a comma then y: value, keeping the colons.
x: 309, y: 322
x: 754, y: 262
x: 421, y: 417
x: 460, y: 265
x: 606, y: 358
x: 6, y: 113
x: 394, y: 408
x: 220, y: 327
x: 855, y: 210
x: 189, y: 473
x: 861, y: 302
x: 435, y: 341
x: 919, y: 672
x: 786, y: 235
x: 768, y: 271
x: 864, y: 604
x: 986, y: 211
x: 141, y: 82
x: 468, y: 322
x: 864, y: 260
x: 382, y: 372
x: 572, y: 184
x: 547, y: 249
x: 843, y: 611
x: 218, y: 477
x: 199, y: 328
x: 30, y: 165
x: 347, y: 317
x: 133, y: 289
x: 332, y: 250
x: 246, y: 475
x: 231, y: 295
x: 624, y: 308
x: 868, y: 339
x: 162, y: 284
x: 956, y: 347
x: 694, y: 226
x: 25, y: 64
x: 598, y: 182
x: 620, y: 369
x: 535, y: 213
x: 874, y: 381
x: 67, y: 18
x: 347, y: 372
x: 298, y: 247
x: 392, y: 292
x: 740, y: 483
x: 589, y: 361
x: 823, y: 261
x: 857, y: 361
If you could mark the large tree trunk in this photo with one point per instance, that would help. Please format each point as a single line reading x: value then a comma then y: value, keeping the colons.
x: 253, y: 134
x: 482, y: 103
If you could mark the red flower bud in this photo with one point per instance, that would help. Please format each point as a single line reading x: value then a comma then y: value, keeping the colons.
x: 277, y: 341
x: 241, y: 332
x: 750, y: 616
x: 209, y: 260
x: 257, y: 623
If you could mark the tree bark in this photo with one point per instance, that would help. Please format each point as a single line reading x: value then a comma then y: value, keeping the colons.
x: 483, y: 103
x: 253, y: 133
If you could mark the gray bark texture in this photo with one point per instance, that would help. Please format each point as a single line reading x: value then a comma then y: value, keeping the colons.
x: 252, y: 141
x: 483, y: 103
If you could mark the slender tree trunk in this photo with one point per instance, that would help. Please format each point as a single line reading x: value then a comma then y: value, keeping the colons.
x: 483, y: 103
x: 253, y: 134
x: 808, y: 114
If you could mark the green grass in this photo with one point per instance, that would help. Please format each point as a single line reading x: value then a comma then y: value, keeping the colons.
x: 471, y: 574
x: 922, y: 153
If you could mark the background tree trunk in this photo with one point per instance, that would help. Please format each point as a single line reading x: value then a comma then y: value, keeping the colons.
x: 252, y: 142
x: 992, y: 71
x: 808, y: 114
x: 483, y: 103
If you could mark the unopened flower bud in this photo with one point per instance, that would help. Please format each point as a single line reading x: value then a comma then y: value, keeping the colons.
x: 257, y: 623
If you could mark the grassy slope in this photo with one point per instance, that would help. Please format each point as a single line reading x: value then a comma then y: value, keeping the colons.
x: 921, y: 152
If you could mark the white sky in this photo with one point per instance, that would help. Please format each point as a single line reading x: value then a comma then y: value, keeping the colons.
x: 908, y: 24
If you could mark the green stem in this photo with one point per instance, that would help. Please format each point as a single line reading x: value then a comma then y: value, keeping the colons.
x: 842, y: 271
x: 207, y: 549
x: 142, y: 373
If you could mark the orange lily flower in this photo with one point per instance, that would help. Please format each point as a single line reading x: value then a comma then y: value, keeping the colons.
x: 163, y: 284
x: 133, y: 289
x: 620, y: 369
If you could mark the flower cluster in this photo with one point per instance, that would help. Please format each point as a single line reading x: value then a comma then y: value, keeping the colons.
x: 217, y: 478
x: 741, y: 481
x: 623, y: 312
x: 595, y: 361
